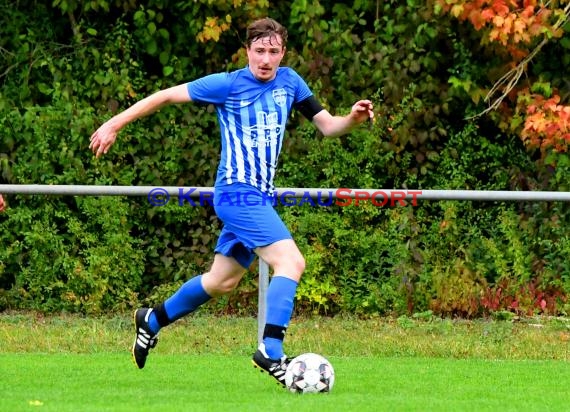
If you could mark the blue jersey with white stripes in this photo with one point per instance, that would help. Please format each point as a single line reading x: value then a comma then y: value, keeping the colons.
x: 252, y: 116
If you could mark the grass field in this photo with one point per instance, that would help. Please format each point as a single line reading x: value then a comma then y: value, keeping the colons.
x: 68, y: 363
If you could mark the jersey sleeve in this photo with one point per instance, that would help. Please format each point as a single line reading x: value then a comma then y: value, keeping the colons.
x: 303, y: 91
x: 213, y: 88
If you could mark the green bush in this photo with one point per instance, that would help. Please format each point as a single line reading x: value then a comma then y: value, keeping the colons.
x: 79, y: 63
x: 77, y: 256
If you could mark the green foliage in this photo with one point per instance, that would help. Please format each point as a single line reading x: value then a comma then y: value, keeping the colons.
x: 77, y: 256
x: 79, y: 63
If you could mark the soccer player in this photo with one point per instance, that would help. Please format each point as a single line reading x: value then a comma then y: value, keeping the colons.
x: 252, y: 104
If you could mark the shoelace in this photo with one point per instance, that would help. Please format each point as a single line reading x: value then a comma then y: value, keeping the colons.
x: 278, y: 370
x: 152, y: 342
x: 144, y: 339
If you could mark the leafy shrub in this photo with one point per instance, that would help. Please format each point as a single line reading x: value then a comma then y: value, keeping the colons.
x: 82, y: 62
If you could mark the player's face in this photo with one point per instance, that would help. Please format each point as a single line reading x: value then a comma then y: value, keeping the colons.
x: 264, y: 56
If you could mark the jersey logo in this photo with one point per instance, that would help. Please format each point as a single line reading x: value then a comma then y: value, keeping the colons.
x: 265, y: 132
x: 280, y: 97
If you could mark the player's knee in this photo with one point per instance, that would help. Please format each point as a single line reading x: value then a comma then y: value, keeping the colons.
x: 224, y: 287
x: 294, y: 266
x: 285, y: 260
x: 217, y: 285
x: 300, y: 265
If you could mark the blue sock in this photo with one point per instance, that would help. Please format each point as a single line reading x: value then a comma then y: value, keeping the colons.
x: 280, y: 296
x: 185, y: 300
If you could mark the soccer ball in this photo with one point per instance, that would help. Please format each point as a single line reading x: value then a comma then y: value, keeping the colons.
x: 309, y: 373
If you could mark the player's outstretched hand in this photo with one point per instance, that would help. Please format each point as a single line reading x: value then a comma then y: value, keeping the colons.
x: 103, y: 139
x: 362, y: 110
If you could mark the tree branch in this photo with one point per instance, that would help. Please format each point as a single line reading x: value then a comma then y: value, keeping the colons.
x: 509, y: 80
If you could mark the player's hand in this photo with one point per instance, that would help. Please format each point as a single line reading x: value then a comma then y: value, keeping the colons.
x: 2, y: 204
x: 362, y: 110
x: 103, y: 139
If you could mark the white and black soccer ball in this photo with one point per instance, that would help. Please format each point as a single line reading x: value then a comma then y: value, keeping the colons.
x: 309, y: 373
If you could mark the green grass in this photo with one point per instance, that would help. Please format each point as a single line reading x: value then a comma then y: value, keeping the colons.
x: 67, y: 363
x: 109, y: 382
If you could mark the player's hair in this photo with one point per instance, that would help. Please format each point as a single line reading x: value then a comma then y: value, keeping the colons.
x: 266, y: 27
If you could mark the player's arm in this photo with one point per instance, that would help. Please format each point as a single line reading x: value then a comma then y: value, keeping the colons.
x: 330, y: 125
x: 2, y: 204
x: 105, y: 136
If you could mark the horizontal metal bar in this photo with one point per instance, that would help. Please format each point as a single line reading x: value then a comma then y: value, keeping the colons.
x: 314, y: 193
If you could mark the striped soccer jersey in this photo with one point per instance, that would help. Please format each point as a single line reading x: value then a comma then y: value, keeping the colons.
x: 252, y: 115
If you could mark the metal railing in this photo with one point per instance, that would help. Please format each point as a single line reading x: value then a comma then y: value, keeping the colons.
x: 396, y: 195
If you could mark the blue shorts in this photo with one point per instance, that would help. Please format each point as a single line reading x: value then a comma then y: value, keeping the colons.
x: 249, y: 221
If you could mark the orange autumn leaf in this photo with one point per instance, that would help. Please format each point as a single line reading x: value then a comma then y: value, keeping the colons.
x: 500, y: 7
x: 519, y: 26
x: 506, y: 21
x: 488, y: 14
x: 547, y: 124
